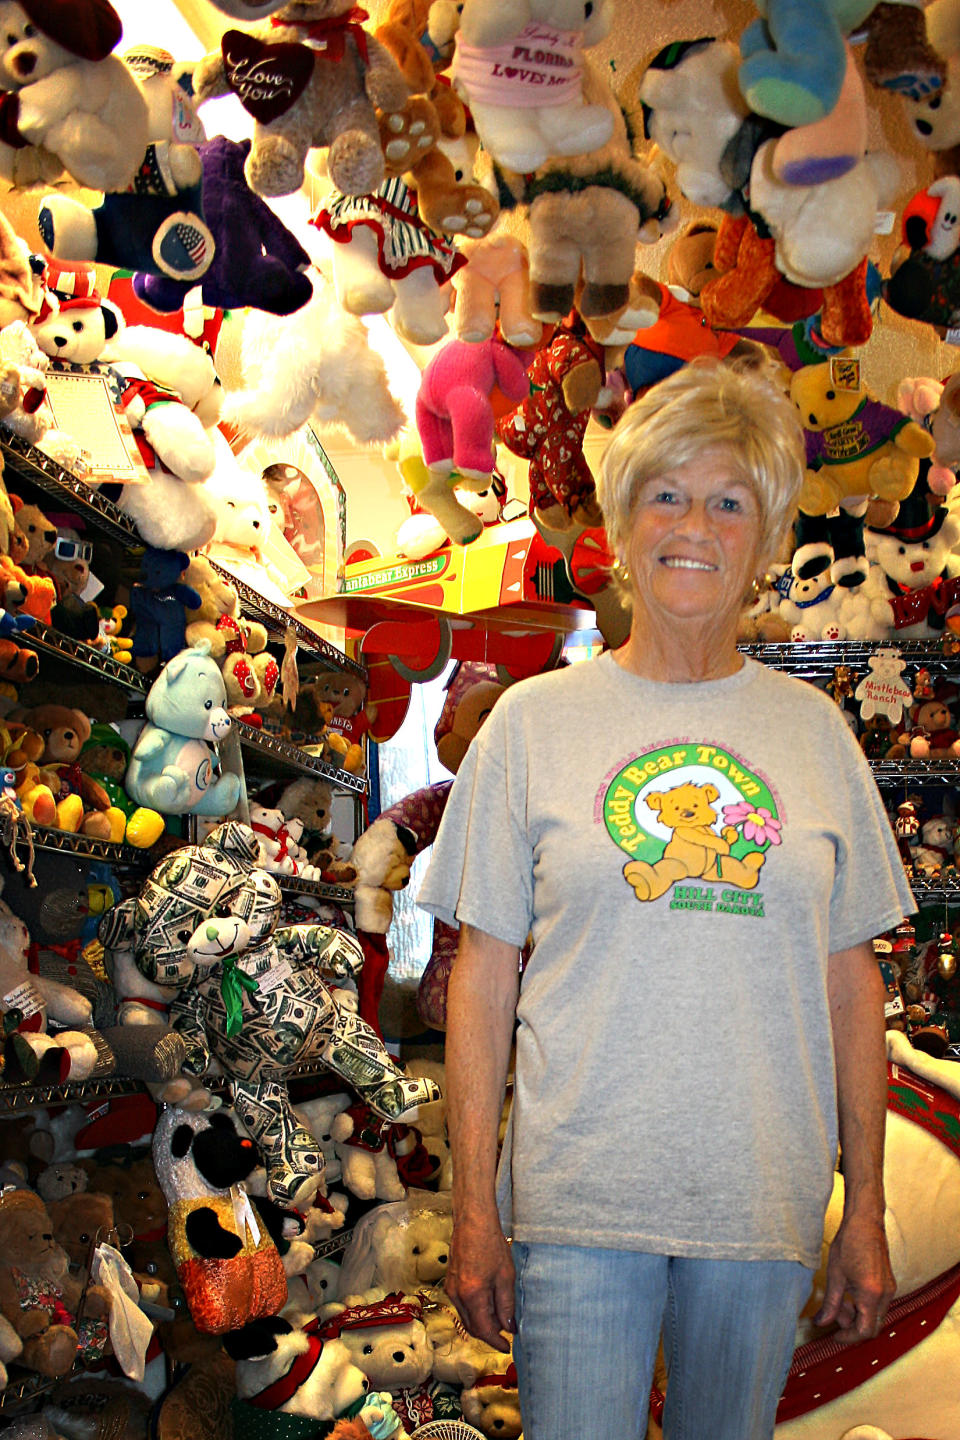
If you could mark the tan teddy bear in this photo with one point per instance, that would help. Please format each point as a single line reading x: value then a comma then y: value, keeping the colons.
x: 239, y: 645
x: 38, y: 1295
x: 695, y: 849
x: 305, y: 95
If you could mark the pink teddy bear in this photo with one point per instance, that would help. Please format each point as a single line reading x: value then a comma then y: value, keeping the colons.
x: 455, y: 417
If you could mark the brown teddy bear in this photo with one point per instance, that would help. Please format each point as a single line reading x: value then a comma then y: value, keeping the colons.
x: 80, y: 1221
x: 81, y: 803
x: 38, y: 1295
x: 310, y: 801
x: 350, y: 717
x: 250, y: 673
x: 931, y: 735
x: 319, y: 97
x: 589, y: 211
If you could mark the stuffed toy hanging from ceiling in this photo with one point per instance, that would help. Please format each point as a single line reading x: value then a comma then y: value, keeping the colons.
x: 64, y: 90
x: 158, y: 224
x: 519, y: 67
x: 311, y: 76
x: 587, y: 214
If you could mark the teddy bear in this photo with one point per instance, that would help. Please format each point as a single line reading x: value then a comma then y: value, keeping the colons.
x: 173, y: 767
x: 587, y: 213
x: 158, y: 223
x: 455, y: 418
x: 309, y: 800
x: 256, y: 260
x: 290, y: 378
x: 493, y: 1403
x: 400, y: 1245
x: 81, y: 1220
x: 387, y: 1339
x: 931, y: 734
x: 379, y: 1160
x: 913, y: 578
x: 345, y: 692
x: 249, y: 671
x: 494, y: 285
x: 31, y: 1053
x: 810, y: 606
x: 223, y: 1242
x: 280, y: 851
x: 934, y: 854
x: 82, y: 804
x: 205, y: 925
x: 519, y: 69
x: 69, y: 566
x: 159, y: 601
x: 104, y: 756
x: 421, y: 36
x: 301, y: 1379
x: 39, y: 1296
x: 64, y: 90
x: 318, y: 94
x: 936, y: 406
x: 112, y: 640
x: 856, y: 445
x: 549, y: 425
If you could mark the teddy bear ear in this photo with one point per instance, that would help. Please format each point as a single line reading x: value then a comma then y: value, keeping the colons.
x: 89, y: 31
x: 113, y: 321
x: 257, y: 1339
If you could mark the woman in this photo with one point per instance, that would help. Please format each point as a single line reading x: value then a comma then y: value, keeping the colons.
x: 697, y: 847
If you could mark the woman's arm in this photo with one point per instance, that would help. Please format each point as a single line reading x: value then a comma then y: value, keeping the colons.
x: 481, y: 1005
x: 860, y: 1283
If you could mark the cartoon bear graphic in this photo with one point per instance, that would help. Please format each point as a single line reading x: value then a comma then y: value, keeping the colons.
x: 695, y: 850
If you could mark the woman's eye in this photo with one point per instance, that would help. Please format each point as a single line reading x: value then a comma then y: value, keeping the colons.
x: 730, y: 504
x: 665, y: 497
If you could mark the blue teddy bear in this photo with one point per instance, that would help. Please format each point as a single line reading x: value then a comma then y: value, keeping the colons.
x: 794, y: 59
x: 173, y: 767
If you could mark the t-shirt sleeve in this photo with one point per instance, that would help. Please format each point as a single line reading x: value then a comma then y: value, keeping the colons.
x: 481, y: 868
x: 870, y: 889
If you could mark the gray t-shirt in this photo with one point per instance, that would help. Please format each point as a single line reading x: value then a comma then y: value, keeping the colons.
x: 685, y: 858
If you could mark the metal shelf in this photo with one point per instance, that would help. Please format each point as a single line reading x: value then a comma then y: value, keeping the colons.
x: 916, y: 772
x: 276, y: 621
x: 297, y: 885
x: 64, y: 842
x: 928, y: 891
x: 33, y: 465
x: 819, y: 658
x: 281, y: 752
x: 22, y: 1391
x: 50, y: 642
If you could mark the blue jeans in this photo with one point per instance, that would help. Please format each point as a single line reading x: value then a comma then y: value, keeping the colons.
x: 588, y: 1323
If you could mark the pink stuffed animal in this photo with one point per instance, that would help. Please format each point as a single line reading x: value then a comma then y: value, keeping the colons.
x: 454, y: 413
x: 495, y: 278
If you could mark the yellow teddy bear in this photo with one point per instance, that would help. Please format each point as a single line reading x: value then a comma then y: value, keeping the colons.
x: 695, y: 850
x: 856, y: 446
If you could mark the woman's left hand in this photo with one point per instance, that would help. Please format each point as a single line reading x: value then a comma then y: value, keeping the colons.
x: 860, y: 1283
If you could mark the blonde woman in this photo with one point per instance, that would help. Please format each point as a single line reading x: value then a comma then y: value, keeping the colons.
x: 697, y: 848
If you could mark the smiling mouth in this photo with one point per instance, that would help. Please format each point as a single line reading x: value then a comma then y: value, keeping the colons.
x: 680, y: 562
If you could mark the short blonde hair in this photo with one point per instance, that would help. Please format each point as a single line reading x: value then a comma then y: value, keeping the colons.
x: 707, y: 405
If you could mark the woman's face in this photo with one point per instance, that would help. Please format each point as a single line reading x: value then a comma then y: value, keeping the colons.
x: 694, y: 541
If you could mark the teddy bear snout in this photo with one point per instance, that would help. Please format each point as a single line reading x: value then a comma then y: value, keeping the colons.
x: 923, y: 127
x: 24, y: 62
x: 399, y: 1356
x: 60, y: 341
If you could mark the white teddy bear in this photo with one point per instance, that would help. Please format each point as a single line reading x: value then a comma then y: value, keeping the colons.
x: 66, y: 92
x: 519, y: 66
x: 811, y: 607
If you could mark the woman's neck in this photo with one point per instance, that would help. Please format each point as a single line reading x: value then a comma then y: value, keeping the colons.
x: 678, y: 651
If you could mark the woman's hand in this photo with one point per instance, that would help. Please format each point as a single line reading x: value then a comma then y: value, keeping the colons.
x: 860, y: 1282
x: 480, y: 1279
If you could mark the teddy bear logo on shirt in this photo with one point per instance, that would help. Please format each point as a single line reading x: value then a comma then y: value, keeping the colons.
x: 693, y: 812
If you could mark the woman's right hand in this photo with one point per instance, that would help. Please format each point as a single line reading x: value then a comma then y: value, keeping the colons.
x: 480, y: 1279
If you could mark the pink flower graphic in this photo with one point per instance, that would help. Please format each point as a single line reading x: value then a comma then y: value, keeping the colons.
x: 759, y: 825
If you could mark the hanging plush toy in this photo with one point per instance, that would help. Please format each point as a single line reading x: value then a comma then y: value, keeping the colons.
x: 548, y: 427
x: 925, y: 283
x: 455, y: 422
x: 587, y: 213
x: 520, y: 70
x: 157, y: 223
x: 856, y: 446
x: 64, y: 90
x: 249, y: 993
x: 421, y: 35
x: 311, y: 76
x: 315, y: 367
x: 936, y: 406
x: 495, y: 285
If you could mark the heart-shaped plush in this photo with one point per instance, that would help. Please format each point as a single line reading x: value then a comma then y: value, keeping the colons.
x: 267, y: 79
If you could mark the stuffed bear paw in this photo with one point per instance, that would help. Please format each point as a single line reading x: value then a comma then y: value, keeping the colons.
x: 459, y: 210
x: 407, y: 134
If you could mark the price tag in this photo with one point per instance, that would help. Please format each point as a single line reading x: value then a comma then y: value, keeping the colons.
x: 883, y: 224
